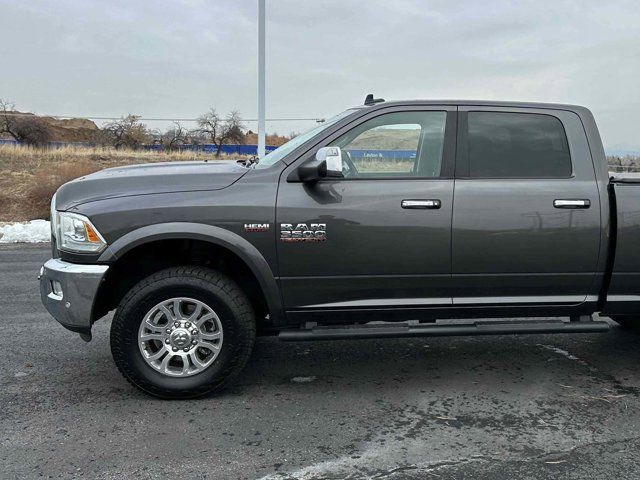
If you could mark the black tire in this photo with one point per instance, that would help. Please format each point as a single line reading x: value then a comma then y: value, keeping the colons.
x: 628, y: 322
x: 209, y: 286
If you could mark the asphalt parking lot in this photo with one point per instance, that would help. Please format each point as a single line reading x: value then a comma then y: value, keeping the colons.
x: 483, y: 407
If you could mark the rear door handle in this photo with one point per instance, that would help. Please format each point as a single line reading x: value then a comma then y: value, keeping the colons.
x: 571, y: 203
x: 431, y: 204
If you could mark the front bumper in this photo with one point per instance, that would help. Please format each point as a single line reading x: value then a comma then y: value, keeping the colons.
x: 72, y: 302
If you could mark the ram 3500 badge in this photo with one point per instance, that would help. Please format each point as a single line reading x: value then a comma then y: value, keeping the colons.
x: 302, y: 232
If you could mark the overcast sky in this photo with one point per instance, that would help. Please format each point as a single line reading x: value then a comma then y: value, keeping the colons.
x: 177, y: 58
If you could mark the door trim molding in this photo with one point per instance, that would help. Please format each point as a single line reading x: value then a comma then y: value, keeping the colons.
x: 384, y: 302
x: 525, y: 300
x: 540, y: 300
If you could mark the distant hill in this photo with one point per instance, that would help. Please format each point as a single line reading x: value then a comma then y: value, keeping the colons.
x: 251, y: 138
x: 387, y: 139
x: 73, y: 130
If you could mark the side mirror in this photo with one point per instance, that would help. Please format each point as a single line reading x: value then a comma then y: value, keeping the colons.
x: 332, y: 156
x: 328, y: 163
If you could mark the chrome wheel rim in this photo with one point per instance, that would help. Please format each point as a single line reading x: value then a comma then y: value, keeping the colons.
x: 180, y: 337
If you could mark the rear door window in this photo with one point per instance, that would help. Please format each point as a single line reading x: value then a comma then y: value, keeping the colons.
x: 516, y: 145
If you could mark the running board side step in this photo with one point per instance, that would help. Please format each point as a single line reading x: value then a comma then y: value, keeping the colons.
x: 400, y: 330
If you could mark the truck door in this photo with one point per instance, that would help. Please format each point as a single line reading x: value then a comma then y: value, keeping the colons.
x: 526, y: 219
x: 382, y: 234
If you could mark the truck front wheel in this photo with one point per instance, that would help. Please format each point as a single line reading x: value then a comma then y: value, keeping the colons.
x: 183, y: 332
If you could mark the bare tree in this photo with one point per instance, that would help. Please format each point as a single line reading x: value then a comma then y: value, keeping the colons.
x: 27, y: 129
x: 196, y: 137
x: 156, y: 136
x: 221, y: 131
x: 32, y: 130
x: 8, y: 119
x: 175, y: 137
x: 127, y: 132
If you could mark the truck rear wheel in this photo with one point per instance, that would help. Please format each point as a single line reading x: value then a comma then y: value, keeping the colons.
x: 183, y: 332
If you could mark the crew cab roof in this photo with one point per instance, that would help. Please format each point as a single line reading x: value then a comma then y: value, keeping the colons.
x: 479, y: 103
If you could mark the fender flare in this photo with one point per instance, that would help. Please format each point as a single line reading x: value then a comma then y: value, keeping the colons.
x: 208, y: 233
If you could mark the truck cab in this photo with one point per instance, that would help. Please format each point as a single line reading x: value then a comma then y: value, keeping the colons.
x: 379, y: 222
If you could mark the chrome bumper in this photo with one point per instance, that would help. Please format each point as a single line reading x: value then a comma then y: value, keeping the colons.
x: 72, y: 301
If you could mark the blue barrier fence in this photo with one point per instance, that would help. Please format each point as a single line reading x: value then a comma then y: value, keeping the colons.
x: 387, y: 154
x: 231, y: 149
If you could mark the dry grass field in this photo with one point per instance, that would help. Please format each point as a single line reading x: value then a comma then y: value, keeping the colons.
x: 30, y: 176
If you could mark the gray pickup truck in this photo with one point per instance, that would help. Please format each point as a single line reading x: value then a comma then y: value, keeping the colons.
x: 388, y: 220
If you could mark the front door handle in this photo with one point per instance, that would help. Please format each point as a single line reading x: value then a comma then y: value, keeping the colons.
x: 571, y: 203
x: 431, y: 204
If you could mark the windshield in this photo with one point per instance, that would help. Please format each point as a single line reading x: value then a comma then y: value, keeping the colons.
x: 294, y: 143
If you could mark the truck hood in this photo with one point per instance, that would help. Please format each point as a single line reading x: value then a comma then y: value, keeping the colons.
x: 148, y: 179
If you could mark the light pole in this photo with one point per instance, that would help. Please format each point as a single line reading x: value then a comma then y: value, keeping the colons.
x: 261, y: 81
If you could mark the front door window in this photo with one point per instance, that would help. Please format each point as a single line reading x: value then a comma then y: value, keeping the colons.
x: 405, y: 144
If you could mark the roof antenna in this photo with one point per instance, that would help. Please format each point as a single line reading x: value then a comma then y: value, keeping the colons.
x: 369, y: 100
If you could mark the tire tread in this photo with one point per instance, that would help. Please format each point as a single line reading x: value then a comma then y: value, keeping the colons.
x: 244, y: 317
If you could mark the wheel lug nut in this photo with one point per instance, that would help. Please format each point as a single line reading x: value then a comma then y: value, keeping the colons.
x: 194, y: 332
x: 188, y: 324
x: 175, y: 349
x: 168, y: 330
x: 176, y: 324
x: 167, y: 341
x: 186, y: 349
x: 194, y: 342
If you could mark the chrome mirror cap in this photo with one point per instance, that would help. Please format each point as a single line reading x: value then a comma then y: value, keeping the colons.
x: 332, y: 158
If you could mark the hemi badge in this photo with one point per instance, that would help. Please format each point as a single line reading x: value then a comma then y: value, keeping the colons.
x: 256, y: 227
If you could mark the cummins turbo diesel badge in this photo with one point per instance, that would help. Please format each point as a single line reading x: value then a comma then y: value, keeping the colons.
x: 302, y: 232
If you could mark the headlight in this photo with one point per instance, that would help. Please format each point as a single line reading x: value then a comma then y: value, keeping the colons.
x: 76, y: 233
x: 54, y: 217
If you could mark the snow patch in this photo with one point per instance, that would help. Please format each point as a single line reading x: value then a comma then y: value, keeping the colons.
x: 35, y: 231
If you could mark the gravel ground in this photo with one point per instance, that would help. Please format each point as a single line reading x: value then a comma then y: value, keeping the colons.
x: 479, y: 407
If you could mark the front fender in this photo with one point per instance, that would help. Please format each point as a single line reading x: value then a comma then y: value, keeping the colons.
x: 208, y: 233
